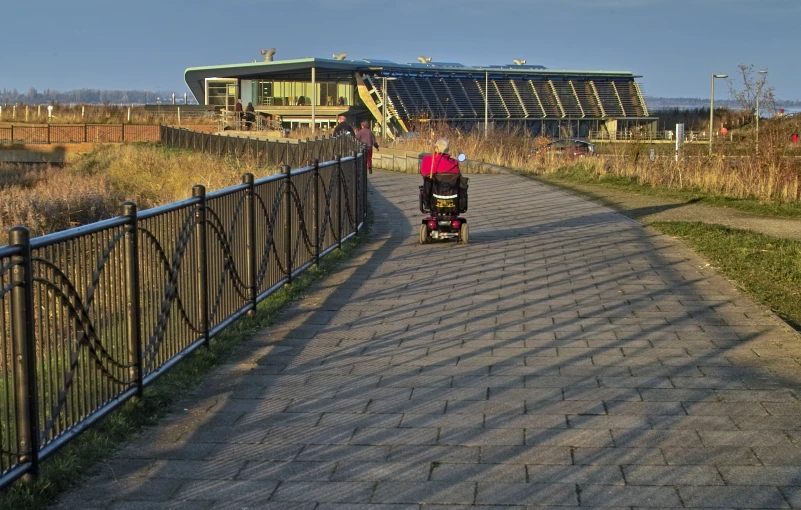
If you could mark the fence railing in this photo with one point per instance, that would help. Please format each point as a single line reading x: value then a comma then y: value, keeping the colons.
x: 91, y: 315
x: 263, y: 152
x: 667, y: 135
x: 79, y: 133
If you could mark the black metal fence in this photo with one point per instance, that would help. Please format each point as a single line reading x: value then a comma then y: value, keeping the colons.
x: 80, y: 133
x: 264, y: 152
x: 91, y: 315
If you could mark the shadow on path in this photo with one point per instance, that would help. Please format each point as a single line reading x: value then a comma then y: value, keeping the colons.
x: 566, y: 357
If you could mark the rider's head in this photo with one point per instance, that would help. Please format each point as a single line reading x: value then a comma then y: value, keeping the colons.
x: 442, y: 146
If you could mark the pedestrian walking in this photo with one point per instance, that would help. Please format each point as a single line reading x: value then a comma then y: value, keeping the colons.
x: 367, y: 138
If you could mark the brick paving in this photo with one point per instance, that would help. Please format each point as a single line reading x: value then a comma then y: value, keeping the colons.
x: 567, y: 357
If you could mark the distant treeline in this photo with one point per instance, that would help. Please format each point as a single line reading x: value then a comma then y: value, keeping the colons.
x: 89, y: 96
x: 109, y: 97
x: 664, y: 103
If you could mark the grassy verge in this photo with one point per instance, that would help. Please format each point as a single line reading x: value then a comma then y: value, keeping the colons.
x: 578, y: 178
x: 70, y: 465
x: 768, y: 268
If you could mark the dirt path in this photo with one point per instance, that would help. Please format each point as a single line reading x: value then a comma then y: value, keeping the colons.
x: 648, y: 209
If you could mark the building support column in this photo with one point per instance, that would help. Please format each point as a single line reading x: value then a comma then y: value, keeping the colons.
x: 314, y: 104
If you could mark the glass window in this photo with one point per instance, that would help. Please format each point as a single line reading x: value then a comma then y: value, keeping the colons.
x: 327, y: 93
x: 344, y: 94
x: 299, y: 93
x: 264, y: 95
x: 218, y: 92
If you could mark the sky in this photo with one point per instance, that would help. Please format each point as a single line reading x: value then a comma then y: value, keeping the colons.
x: 675, y: 45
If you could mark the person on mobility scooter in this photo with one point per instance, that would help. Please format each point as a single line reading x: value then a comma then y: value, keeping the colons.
x: 443, y: 196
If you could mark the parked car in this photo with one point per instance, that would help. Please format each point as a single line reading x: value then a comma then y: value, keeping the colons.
x: 571, y: 147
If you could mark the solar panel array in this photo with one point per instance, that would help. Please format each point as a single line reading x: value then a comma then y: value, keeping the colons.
x: 463, y: 98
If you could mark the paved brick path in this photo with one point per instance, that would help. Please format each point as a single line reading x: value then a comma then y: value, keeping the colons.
x: 566, y: 357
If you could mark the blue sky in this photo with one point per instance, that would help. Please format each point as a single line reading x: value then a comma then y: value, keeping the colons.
x: 147, y: 44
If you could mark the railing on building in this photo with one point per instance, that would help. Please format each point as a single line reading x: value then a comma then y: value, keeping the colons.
x: 79, y: 133
x: 667, y: 135
x: 247, y: 121
x: 91, y: 315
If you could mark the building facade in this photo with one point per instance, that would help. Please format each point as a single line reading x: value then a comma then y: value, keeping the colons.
x: 406, y: 97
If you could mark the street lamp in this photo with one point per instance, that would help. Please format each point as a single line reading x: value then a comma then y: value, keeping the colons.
x: 712, y: 108
x: 384, y: 107
x: 486, y: 103
x: 760, y: 83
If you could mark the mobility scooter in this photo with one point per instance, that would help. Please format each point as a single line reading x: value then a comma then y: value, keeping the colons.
x: 443, y: 197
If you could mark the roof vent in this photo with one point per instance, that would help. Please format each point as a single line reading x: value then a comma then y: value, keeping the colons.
x: 268, y: 54
x: 519, y: 62
x: 339, y: 56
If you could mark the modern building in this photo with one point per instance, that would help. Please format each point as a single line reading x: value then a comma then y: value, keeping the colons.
x: 315, y: 90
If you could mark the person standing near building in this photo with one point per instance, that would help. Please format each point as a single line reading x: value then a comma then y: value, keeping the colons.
x: 250, y: 116
x: 238, y: 113
x: 343, y: 127
x: 367, y: 138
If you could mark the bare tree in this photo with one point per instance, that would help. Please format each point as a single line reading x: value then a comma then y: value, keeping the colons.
x: 752, y: 85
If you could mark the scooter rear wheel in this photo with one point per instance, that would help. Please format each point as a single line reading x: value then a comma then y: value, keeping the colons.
x: 423, y: 234
x: 464, y: 234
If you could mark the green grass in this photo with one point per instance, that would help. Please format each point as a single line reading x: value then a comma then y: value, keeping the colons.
x: 70, y: 465
x: 578, y: 174
x: 768, y: 268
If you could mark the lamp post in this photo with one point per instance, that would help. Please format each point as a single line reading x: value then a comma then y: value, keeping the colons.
x: 760, y: 83
x: 384, y: 107
x: 712, y: 108
x: 486, y: 103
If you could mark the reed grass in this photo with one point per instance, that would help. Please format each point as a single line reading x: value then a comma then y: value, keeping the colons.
x: 770, y: 176
x: 50, y: 199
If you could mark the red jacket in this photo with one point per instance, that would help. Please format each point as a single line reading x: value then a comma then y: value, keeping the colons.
x: 442, y: 164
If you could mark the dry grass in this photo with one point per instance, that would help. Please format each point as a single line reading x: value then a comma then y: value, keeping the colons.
x: 50, y: 199
x: 771, y: 176
x: 56, y: 201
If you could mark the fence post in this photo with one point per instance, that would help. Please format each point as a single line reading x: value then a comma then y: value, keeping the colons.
x: 354, y: 204
x: 250, y: 234
x: 199, y: 191
x: 364, y: 191
x: 339, y: 199
x: 132, y: 295
x: 122, y: 127
x: 84, y: 133
x: 24, y: 364
x: 316, y: 209
x: 12, y: 134
x: 48, y: 133
x: 287, y: 171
